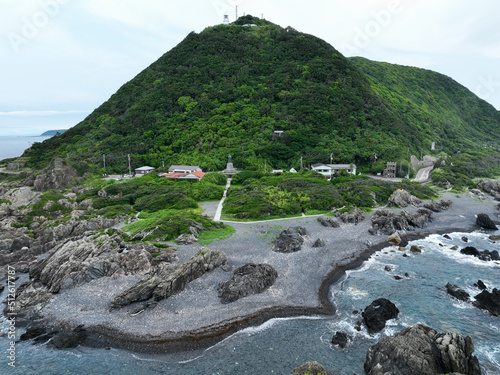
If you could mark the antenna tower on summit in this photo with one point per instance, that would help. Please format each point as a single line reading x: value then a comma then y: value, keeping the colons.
x: 236, y: 11
x: 226, y: 19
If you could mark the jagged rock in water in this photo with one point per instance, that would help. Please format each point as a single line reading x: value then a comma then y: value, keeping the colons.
x: 494, y: 238
x: 65, y: 339
x: 377, y: 313
x: 394, y: 239
x: 416, y: 249
x: 328, y: 221
x: 186, y: 239
x: 402, y: 198
x: 340, y: 339
x: 485, y: 255
x: 352, y: 217
x: 457, y: 292
x: 290, y: 240
x: 420, y: 350
x: 485, y: 222
x: 438, y: 206
x: 311, y: 368
x: 168, y: 279
x: 56, y: 177
x: 489, y: 301
x: 319, y: 243
x: 246, y: 280
x: 480, y: 285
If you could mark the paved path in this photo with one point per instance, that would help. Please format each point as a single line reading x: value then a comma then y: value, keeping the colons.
x: 219, y: 208
x: 423, y: 174
x: 2, y: 170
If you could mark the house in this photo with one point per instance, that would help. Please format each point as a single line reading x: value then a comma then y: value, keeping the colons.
x: 390, y: 171
x: 184, y: 169
x: 143, y: 170
x: 196, y: 175
x: 330, y: 170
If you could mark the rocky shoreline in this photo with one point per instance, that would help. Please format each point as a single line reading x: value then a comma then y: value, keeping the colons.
x: 196, y: 318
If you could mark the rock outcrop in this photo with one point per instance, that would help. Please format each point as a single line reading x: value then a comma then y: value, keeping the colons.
x: 55, y: 177
x: 457, y: 292
x: 485, y: 255
x: 394, y: 239
x: 246, y: 280
x: 492, y: 187
x: 387, y: 222
x: 377, y: 313
x: 353, y: 217
x: 311, y: 368
x: 319, y: 243
x: 438, y: 206
x: 168, y: 279
x: 485, y: 222
x: 402, y: 198
x: 290, y: 240
x: 489, y: 301
x: 328, y: 221
x: 82, y: 260
x: 421, y: 350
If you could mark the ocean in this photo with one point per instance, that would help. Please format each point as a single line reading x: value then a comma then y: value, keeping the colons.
x: 280, y: 345
x: 14, y: 146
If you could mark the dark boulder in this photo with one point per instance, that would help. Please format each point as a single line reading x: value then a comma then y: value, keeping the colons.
x: 377, y: 313
x: 319, y: 243
x: 485, y: 222
x: 457, y: 292
x: 387, y: 222
x: 470, y: 250
x: 420, y: 350
x: 246, y: 280
x: 489, y: 301
x: 290, y: 240
x: 447, y: 237
x: 340, y: 339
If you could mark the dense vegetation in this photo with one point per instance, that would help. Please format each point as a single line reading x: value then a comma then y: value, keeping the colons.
x: 226, y: 90
x: 437, y: 109
x: 259, y: 196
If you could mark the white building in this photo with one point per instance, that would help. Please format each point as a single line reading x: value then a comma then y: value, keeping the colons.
x: 184, y: 169
x: 143, y: 170
x: 330, y: 170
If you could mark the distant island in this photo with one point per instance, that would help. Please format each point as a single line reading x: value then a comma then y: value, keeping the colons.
x: 53, y: 132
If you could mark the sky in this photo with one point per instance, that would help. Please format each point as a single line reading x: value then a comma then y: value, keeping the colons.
x: 61, y: 59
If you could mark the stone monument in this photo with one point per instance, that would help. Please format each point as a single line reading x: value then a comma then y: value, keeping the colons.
x: 230, y: 170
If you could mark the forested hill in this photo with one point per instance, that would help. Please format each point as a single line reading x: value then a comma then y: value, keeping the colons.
x: 440, y: 109
x: 227, y: 90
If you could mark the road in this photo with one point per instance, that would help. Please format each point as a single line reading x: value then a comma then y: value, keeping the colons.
x: 423, y: 174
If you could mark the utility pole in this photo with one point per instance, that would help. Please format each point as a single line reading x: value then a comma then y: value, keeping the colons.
x: 129, y: 170
x: 301, y: 165
x: 331, y: 158
x: 104, y: 161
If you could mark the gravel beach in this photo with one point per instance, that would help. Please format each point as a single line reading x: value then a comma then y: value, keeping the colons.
x: 195, y: 318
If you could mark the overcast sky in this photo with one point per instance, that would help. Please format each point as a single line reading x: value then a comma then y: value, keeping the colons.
x: 60, y: 59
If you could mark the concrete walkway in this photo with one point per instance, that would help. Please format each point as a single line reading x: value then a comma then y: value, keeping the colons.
x: 219, y: 208
x: 423, y: 174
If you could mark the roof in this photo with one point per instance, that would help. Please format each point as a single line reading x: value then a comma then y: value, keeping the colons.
x: 185, y: 167
x: 334, y: 166
x: 199, y: 174
x: 145, y: 168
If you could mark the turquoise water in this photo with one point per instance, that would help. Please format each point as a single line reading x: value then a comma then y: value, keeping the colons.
x: 280, y: 345
x: 11, y: 147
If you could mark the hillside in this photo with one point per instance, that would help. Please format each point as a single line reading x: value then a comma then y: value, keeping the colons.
x: 227, y: 89
x: 53, y: 132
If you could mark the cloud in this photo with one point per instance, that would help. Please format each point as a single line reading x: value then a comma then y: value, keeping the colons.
x: 39, y: 113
